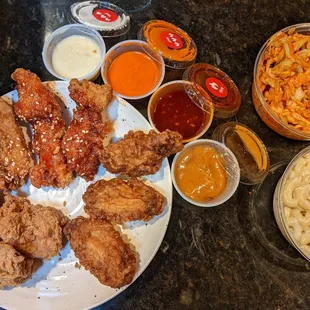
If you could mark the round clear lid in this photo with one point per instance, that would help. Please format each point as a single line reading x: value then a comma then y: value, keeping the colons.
x: 214, y: 88
x: 248, y: 148
x: 107, y: 18
x: 176, y: 47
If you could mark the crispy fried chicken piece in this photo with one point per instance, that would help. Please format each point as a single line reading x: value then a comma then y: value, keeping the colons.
x: 38, y: 106
x: 35, y: 231
x: 15, y: 159
x: 90, y: 95
x: 140, y: 153
x: 35, y: 101
x: 84, y: 137
x: 120, y: 201
x: 101, y: 250
x: 52, y: 167
x: 15, y: 269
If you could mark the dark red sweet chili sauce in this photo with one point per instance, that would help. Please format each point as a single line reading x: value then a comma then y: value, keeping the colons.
x: 177, y: 112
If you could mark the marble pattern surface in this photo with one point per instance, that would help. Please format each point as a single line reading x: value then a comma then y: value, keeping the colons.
x: 228, y: 257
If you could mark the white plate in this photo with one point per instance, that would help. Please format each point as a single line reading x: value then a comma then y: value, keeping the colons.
x: 58, y: 284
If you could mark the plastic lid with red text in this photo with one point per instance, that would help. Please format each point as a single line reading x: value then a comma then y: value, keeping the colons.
x: 108, y: 19
x: 214, y: 88
x: 176, y: 47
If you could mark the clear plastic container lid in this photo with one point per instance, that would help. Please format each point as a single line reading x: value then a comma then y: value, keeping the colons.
x: 176, y: 47
x: 213, y: 87
x: 248, y: 148
x: 107, y: 18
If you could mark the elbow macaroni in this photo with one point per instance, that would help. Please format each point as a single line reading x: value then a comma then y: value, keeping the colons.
x: 296, y: 200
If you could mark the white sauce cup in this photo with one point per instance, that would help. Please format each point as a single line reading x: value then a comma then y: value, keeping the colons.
x: 67, y: 31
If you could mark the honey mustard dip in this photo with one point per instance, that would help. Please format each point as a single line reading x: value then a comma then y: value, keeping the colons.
x: 200, y: 173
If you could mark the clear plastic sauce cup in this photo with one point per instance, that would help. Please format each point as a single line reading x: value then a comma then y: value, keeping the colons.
x: 63, y: 33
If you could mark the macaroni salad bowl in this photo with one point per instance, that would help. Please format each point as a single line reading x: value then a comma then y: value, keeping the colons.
x: 291, y: 205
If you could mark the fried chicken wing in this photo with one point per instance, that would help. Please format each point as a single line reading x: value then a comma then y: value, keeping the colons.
x: 35, y: 101
x: 90, y: 95
x: 38, y: 106
x: 120, y: 201
x: 140, y: 153
x: 35, y: 231
x: 84, y: 137
x: 52, y: 168
x: 101, y: 250
x: 15, y: 269
x: 15, y: 159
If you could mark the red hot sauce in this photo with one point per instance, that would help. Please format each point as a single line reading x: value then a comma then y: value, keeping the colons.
x: 177, y: 112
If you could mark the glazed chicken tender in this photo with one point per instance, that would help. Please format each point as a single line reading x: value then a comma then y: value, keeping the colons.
x: 38, y: 106
x: 84, y: 137
x: 15, y: 269
x: 120, y: 201
x: 52, y: 169
x: 101, y: 250
x: 15, y: 160
x: 139, y: 153
x: 35, y: 101
x: 35, y: 231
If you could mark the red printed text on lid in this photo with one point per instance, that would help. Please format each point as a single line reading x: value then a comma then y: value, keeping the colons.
x: 172, y: 40
x: 216, y: 87
x: 105, y: 15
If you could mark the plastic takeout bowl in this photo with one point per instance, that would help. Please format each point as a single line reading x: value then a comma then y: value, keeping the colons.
x: 262, y: 108
x: 67, y: 31
x: 129, y: 46
x: 278, y: 206
x: 232, y: 172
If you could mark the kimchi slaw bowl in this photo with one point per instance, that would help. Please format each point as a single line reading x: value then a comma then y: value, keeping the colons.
x: 283, y: 104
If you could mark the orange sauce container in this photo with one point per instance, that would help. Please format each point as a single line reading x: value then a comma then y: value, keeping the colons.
x: 176, y: 47
x: 133, y: 69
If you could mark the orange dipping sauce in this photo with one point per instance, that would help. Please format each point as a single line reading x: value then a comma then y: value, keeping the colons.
x: 200, y: 173
x: 133, y: 74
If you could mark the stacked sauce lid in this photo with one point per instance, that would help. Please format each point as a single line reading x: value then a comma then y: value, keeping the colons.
x: 212, y: 88
x: 176, y: 47
x: 107, y: 18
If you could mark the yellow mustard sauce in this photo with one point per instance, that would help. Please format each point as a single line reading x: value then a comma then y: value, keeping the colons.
x: 200, y: 173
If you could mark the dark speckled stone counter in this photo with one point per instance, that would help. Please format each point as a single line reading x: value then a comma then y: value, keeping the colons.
x: 229, y: 257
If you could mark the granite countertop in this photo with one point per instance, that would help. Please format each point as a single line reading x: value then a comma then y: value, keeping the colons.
x: 228, y: 257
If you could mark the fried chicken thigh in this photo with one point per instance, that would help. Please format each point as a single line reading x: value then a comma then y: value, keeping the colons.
x: 84, y: 137
x: 38, y: 106
x: 139, y: 153
x: 15, y: 159
x: 121, y: 201
x: 101, y: 250
x: 15, y: 269
x: 35, y: 231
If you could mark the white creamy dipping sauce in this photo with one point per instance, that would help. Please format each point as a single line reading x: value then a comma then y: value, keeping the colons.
x: 75, y: 56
